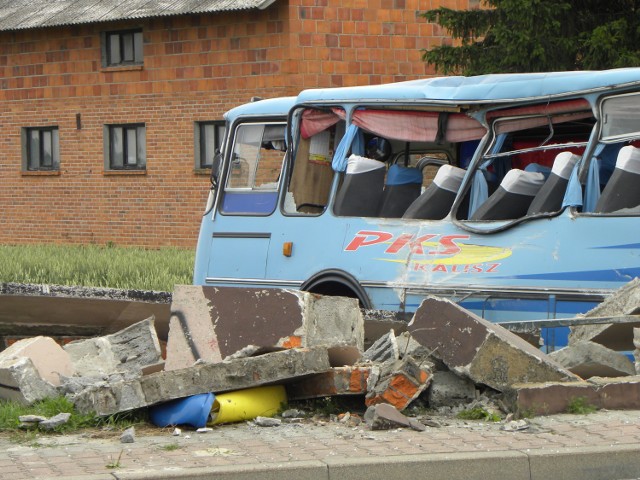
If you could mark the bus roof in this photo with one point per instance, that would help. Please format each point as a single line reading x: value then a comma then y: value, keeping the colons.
x: 270, y: 106
x: 482, y: 88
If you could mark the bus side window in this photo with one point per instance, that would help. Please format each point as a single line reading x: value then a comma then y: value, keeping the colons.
x: 312, y: 174
x: 254, y: 169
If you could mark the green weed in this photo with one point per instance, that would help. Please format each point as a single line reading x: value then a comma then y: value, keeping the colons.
x: 478, y: 413
x: 580, y: 406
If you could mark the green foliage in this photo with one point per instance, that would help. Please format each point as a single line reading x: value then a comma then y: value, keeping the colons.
x: 97, y: 266
x: 11, y: 411
x: 580, y: 406
x: 478, y: 413
x: 537, y: 36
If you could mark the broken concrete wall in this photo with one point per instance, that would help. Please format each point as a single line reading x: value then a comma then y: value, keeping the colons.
x: 129, y: 350
x: 625, y: 301
x: 553, y: 397
x: 271, y: 368
x: 211, y: 323
x: 480, y: 350
x: 588, y: 359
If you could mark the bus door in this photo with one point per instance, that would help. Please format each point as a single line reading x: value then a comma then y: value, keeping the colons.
x: 250, y: 177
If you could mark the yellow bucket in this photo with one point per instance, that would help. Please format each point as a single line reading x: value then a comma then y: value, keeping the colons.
x: 247, y: 404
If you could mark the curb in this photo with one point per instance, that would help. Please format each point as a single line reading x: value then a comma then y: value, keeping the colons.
x: 579, y: 463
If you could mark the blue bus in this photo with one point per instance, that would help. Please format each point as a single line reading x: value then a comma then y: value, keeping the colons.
x: 515, y: 195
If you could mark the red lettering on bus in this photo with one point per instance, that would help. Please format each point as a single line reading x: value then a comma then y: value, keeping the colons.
x: 362, y: 239
x: 450, y: 247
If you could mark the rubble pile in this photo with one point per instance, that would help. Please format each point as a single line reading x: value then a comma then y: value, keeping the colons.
x: 223, y: 341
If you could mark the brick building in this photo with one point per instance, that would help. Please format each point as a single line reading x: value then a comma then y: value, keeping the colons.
x: 110, y: 108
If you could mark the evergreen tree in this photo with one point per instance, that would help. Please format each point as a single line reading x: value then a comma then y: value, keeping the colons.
x: 537, y: 36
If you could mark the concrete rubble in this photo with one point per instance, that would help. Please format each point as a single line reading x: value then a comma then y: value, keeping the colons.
x: 231, y: 339
x: 616, y: 336
x: 588, y: 359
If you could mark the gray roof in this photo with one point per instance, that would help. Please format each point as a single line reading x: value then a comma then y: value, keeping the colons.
x: 26, y: 14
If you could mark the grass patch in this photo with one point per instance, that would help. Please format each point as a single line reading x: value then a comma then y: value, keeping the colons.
x: 97, y: 266
x: 478, y: 413
x: 11, y: 411
x: 580, y: 406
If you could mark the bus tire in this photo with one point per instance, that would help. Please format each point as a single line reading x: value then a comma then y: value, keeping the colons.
x: 337, y: 283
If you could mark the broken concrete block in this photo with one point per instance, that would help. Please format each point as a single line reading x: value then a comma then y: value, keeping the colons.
x: 212, y: 323
x: 347, y: 380
x: 482, y: 351
x: 619, y: 337
x: 588, y: 359
x: 622, y: 393
x: 130, y: 350
x: 385, y: 417
x: 49, y: 359
x: 21, y: 382
x: 55, y: 421
x: 271, y: 368
x: 399, y: 383
x: 549, y: 398
x: 448, y: 389
x: 383, y: 349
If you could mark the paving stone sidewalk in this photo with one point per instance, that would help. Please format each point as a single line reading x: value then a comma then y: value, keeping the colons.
x: 601, y: 445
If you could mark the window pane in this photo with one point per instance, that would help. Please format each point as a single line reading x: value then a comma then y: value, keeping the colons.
x: 621, y: 116
x: 219, y: 134
x: 117, y: 145
x: 114, y: 49
x: 127, y: 47
x: 137, y: 44
x: 132, y: 146
x: 55, y: 149
x: 207, y: 145
x: 47, y: 149
x: 34, y: 150
x: 142, y: 147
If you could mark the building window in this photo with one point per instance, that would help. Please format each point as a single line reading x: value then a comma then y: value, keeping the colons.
x: 122, y: 48
x: 125, y: 147
x: 41, y: 149
x: 209, y: 137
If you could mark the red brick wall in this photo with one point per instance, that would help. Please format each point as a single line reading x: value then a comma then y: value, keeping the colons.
x: 195, y: 68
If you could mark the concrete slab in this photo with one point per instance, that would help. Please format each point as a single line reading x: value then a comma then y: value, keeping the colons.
x: 21, y: 382
x: 551, y: 398
x: 271, y: 368
x: 48, y: 358
x: 53, y: 310
x: 482, y: 351
x: 589, y: 359
x: 211, y: 323
x: 129, y: 350
x: 625, y: 301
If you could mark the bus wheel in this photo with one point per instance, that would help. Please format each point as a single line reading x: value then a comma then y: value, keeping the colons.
x: 338, y: 284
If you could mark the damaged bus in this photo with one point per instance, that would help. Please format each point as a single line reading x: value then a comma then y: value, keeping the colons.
x: 515, y: 195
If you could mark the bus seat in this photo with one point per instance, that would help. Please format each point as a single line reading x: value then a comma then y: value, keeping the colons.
x: 436, y: 201
x: 512, y: 197
x: 360, y: 193
x: 402, y: 187
x: 621, y: 191
x: 549, y: 198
